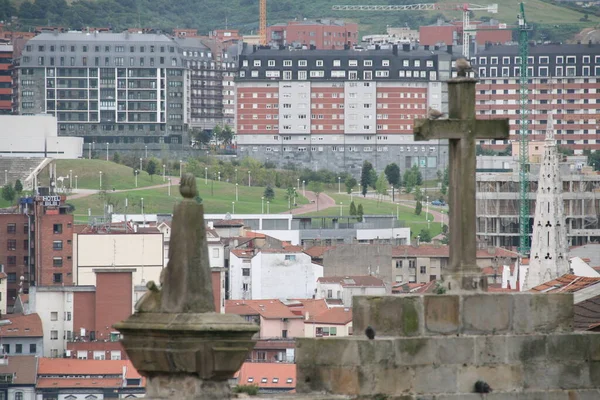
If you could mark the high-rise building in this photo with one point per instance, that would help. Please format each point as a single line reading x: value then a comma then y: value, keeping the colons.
x: 322, y: 34
x: 6, y: 80
x: 125, y: 89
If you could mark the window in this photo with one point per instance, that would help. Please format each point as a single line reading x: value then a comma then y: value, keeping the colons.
x: 99, y: 355
x: 54, y: 316
x: 423, y: 269
x: 53, y: 335
x: 115, y: 354
x: 11, y: 228
x: 245, y: 287
x: 290, y: 257
x: 11, y: 244
x: 215, y: 253
x: 32, y: 348
x: 19, y: 348
x: 11, y: 260
x: 6, y: 348
x: 57, y: 261
x: 57, y: 245
x: 57, y: 228
x: 245, y: 271
x: 284, y: 334
x: 57, y: 278
x: 12, y: 277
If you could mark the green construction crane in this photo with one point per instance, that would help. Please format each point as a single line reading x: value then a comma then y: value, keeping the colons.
x: 524, y: 29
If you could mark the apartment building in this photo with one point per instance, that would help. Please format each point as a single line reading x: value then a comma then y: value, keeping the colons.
x: 562, y: 78
x: 125, y: 89
x: 322, y: 34
x: 335, y: 109
x: 6, y: 80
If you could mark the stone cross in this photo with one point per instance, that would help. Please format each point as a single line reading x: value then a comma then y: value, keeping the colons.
x: 462, y: 130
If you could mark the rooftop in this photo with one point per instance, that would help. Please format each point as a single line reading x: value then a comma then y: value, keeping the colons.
x: 101, y: 37
x: 567, y: 283
x: 69, y: 366
x: 353, y: 281
x: 23, y: 326
x: 23, y: 368
x: 268, y: 309
x: 268, y: 375
x: 587, y: 314
x: 333, y: 316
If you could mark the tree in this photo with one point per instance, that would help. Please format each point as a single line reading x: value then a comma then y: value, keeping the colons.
x: 392, y: 173
x: 226, y: 136
x: 365, y: 177
x: 116, y: 157
x: 8, y: 193
x: 381, y: 186
x: 352, y: 208
x: 445, y: 182
x: 350, y: 184
x: 418, y: 194
x: 418, y: 175
x: 317, y: 189
x: 290, y: 195
x: 418, y: 208
x: 269, y: 193
x: 151, y: 167
x: 201, y: 136
x: 594, y: 160
x: 360, y: 212
x: 425, y: 235
x: 18, y: 187
x: 217, y: 132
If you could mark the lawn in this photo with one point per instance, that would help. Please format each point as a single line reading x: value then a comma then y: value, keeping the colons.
x: 406, y: 214
x: 114, y: 175
x: 216, y: 197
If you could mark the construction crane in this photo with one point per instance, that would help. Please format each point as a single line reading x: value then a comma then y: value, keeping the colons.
x: 466, y: 8
x: 262, y: 28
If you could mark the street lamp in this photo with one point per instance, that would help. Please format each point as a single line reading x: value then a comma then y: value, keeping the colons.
x: 70, y: 179
x: 268, y: 208
x: 351, y: 193
x: 180, y: 169
x: 146, y: 147
x: 339, y: 185
x: 303, y: 188
x: 427, y: 210
x: 442, y: 223
x: 236, y: 179
x: 6, y: 177
x: 75, y: 182
x: 298, y: 188
x: 106, y: 151
x: 236, y: 193
x: 249, y: 179
x: 164, y: 172
x: 233, y: 207
x: 169, y: 186
x: 136, y: 173
x: 141, y: 164
x: 219, y: 176
x: 262, y: 205
x: 206, y: 175
x: 341, y: 209
x: 100, y: 179
x: 142, y: 205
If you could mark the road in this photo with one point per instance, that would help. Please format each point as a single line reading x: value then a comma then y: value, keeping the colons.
x: 325, y: 202
x: 81, y: 193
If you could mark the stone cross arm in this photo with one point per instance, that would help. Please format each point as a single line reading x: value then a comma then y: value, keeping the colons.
x: 426, y: 129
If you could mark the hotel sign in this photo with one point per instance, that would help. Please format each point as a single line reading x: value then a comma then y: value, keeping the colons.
x: 51, y: 201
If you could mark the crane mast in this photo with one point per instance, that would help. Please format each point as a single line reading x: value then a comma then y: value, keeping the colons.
x: 524, y: 248
x: 262, y: 28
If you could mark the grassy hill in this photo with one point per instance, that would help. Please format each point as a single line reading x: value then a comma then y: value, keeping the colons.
x: 243, y: 14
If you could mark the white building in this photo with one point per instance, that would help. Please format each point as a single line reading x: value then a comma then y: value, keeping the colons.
x: 36, y: 136
x: 344, y: 288
x: 335, y: 322
x: 272, y: 274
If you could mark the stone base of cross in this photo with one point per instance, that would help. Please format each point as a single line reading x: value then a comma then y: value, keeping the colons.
x: 462, y: 130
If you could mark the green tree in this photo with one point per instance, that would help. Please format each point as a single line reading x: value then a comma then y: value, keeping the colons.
x: 8, y: 193
x: 425, y: 235
x: 290, y: 195
x: 392, y: 173
x: 116, y: 157
x: 201, y: 136
x: 418, y: 194
x: 226, y: 136
x: 317, y: 189
x: 381, y: 187
x: 269, y: 193
x: 418, y: 175
x: 445, y: 182
x: 418, y: 208
x: 151, y: 167
x: 18, y: 187
x: 352, y: 208
x: 217, y: 132
x: 365, y: 177
x: 350, y: 184
x: 360, y: 212
x: 594, y: 160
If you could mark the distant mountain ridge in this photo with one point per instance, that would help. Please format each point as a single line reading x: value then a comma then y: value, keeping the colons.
x: 206, y: 15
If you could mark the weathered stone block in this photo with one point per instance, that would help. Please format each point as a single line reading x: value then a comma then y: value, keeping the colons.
x: 501, y: 378
x: 573, y: 346
x: 416, y: 351
x: 336, y: 351
x: 543, y: 313
x: 331, y: 379
x: 594, y: 339
x: 378, y: 351
x: 384, y: 380
x: 436, y: 379
x: 490, y: 350
x: 486, y: 314
x: 455, y: 350
x: 554, y: 376
x: 442, y: 314
x: 389, y: 315
x: 525, y: 349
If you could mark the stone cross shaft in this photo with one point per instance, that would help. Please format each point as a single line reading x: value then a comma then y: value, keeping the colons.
x: 462, y: 130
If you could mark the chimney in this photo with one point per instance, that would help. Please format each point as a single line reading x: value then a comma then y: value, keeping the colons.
x: 395, y: 49
x: 590, y: 43
x: 313, y: 47
x: 406, y: 47
x: 426, y: 47
x: 377, y: 47
x: 449, y: 49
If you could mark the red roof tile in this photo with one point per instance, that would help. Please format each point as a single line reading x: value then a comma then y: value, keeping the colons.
x: 242, y: 253
x: 71, y: 366
x: 318, y: 251
x: 228, y: 222
x: 23, y: 326
x: 286, y: 250
x: 567, y: 283
x: 23, y: 367
x: 268, y: 309
x: 310, y: 306
x: 333, y: 316
x: 353, y: 281
x: 251, y: 234
x: 79, y: 383
x: 268, y: 375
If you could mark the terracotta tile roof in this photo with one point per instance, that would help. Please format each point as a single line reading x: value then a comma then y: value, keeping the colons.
x: 47, y: 383
x: 268, y: 309
x: 24, y: 369
x: 242, y: 253
x: 310, y: 306
x: 490, y: 271
x: 413, y: 288
x: 292, y: 248
x: 334, y: 316
x: 427, y: 250
x: 251, y: 234
x: 268, y: 375
x: 212, y: 232
x: 587, y: 314
x: 497, y: 288
x: 318, y: 251
x: 71, y: 366
x: 228, y: 222
x: 567, y: 283
x: 353, y: 281
x: 23, y: 326
x: 287, y: 250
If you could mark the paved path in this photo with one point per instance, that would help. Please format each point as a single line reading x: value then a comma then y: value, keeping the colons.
x: 325, y: 202
x: 81, y: 193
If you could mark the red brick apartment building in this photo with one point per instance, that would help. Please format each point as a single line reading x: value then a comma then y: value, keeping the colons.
x: 451, y: 33
x: 323, y: 34
x: 6, y: 80
x: 37, y: 245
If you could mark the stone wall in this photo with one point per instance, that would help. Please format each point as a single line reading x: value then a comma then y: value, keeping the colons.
x: 438, y: 346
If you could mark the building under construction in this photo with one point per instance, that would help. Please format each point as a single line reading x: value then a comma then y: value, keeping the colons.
x: 498, y: 199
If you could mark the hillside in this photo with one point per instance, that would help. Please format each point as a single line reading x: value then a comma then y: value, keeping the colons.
x: 243, y: 14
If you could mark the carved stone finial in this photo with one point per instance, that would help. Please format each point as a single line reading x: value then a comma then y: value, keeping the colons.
x: 187, y: 186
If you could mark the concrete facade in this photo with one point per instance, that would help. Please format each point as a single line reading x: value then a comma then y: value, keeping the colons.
x: 549, y: 246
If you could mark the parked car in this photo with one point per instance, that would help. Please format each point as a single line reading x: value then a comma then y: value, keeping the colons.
x: 438, y: 203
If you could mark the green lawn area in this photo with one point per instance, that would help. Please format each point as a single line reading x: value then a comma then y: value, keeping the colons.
x: 406, y: 214
x: 114, y: 175
x: 4, y: 203
x: 157, y: 200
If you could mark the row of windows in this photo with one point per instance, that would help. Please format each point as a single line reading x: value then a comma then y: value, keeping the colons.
x: 18, y: 349
x: 559, y: 71
x: 540, y: 60
x: 100, y: 61
x: 340, y: 74
x: 338, y: 63
x: 336, y: 95
x: 106, y: 48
